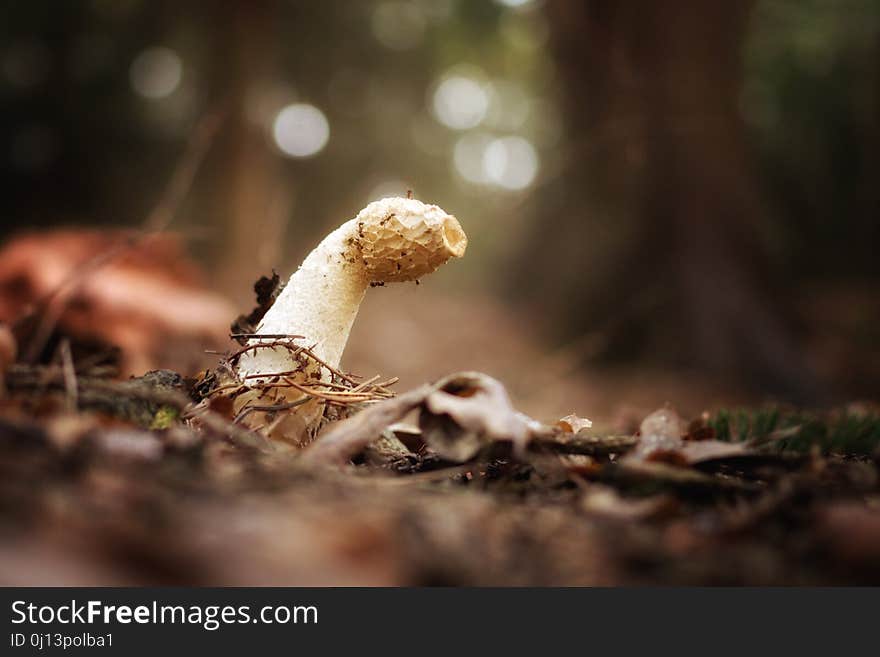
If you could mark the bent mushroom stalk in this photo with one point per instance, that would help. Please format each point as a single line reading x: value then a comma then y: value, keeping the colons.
x: 391, y: 240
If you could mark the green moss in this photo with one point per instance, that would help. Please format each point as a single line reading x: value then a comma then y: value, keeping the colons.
x: 164, y: 417
x: 842, y: 432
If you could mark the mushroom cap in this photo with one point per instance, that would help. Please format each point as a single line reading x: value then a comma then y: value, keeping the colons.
x: 403, y: 239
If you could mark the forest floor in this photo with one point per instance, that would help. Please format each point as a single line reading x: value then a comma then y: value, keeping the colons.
x: 102, y: 483
x: 112, y: 481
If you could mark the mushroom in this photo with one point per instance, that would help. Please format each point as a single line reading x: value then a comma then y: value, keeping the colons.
x: 390, y: 240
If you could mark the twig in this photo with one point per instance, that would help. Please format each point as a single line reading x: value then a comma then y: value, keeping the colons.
x: 267, y: 345
x: 269, y: 408
x: 350, y: 436
x: 234, y: 433
x: 332, y: 370
x: 266, y: 336
x: 270, y: 375
x: 583, y: 443
x: 427, y: 477
x: 69, y: 374
x: 340, y: 397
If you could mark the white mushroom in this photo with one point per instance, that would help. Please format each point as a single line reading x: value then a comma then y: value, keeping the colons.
x: 391, y: 240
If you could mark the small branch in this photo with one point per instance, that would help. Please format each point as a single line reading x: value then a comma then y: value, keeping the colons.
x: 69, y: 374
x: 269, y: 345
x: 269, y: 408
x: 582, y: 443
x: 350, y: 436
x: 266, y: 336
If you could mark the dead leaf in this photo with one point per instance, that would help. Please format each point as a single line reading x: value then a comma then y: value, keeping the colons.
x: 711, y: 450
x: 149, y: 300
x: 467, y: 411
x: 700, y: 429
x: 572, y: 423
x: 661, y: 441
x: 659, y: 437
x: 460, y: 415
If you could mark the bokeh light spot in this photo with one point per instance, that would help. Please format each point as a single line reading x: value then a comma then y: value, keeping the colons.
x: 467, y: 157
x: 460, y: 102
x: 156, y: 72
x: 301, y: 130
x: 510, y: 162
x: 515, y: 3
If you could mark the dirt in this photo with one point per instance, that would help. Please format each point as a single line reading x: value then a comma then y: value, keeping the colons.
x: 91, y: 494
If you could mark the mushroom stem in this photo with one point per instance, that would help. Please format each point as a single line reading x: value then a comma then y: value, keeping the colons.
x: 319, y: 302
x: 391, y: 240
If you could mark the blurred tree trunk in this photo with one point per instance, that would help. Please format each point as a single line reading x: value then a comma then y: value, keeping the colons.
x: 670, y: 211
x: 249, y: 173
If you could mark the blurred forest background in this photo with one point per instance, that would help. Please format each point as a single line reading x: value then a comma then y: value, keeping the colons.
x: 666, y: 201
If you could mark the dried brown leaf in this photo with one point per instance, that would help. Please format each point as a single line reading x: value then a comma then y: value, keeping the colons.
x: 467, y: 411
x: 572, y: 423
x: 711, y: 450
x: 460, y: 415
x: 661, y: 441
